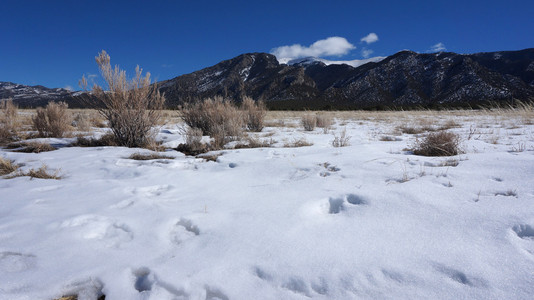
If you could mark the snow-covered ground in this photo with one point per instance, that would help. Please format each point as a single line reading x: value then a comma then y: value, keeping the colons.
x: 367, y: 221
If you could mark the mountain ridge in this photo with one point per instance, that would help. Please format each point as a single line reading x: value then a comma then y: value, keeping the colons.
x: 402, y: 80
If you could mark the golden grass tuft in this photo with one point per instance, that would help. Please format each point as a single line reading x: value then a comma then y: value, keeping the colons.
x: 441, y: 143
x: 148, y: 156
x: 7, y: 166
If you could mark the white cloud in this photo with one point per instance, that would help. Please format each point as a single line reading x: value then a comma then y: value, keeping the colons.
x: 438, y: 47
x: 370, y: 38
x: 92, y: 76
x: 328, y: 47
x: 366, y: 52
x: 69, y: 88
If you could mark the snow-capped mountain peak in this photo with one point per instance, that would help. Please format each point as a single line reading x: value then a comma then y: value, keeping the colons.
x: 305, y: 61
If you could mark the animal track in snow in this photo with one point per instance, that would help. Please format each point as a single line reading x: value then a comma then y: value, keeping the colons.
x: 355, y: 199
x: 146, y: 282
x: 144, y: 279
x: 524, y: 231
x: 215, y: 294
x: 336, y: 205
x: 183, y: 230
x: 460, y: 276
x: 329, y: 169
x: 320, y: 286
x: 298, y: 286
x: 262, y: 274
x: 12, y: 262
x: 152, y: 191
x: 93, y: 227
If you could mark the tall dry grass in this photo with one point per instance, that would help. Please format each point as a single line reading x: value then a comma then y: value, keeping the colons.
x: 8, y: 121
x: 132, y: 107
x: 53, y: 121
x: 254, y: 114
x: 216, y: 117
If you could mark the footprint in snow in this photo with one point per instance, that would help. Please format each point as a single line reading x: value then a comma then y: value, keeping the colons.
x: 215, y: 294
x: 525, y: 243
x: 92, y: 227
x: 459, y: 276
x: 13, y: 262
x: 183, y: 230
x: 145, y: 282
x: 524, y: 231
x: 152, y: 191
x: 336, y: 205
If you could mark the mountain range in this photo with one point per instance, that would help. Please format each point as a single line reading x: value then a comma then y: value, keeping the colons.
x: 403, y: 80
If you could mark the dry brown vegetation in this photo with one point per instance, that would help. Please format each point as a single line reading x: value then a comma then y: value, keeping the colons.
x: 309, y: 122
x: 131, y: 107
x: 324, y: 121
x: 342, y: 140
x: 441, y: 143
x: 216, y: 117
x: 253, y: 142
x: 220, y: 119
x: 7, y: 166
x: 254, y: 114
x: 302, y: 142
x: 41, y: 173
x: 82, y: 122
x: 31, y: 147
x: 149, y: 156
x: 104, y: 140
x: 8, y: 121
x: 53, y: 121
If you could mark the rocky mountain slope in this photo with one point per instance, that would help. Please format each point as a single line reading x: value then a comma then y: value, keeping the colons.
x: 32, y: 96
x: 405, y: 79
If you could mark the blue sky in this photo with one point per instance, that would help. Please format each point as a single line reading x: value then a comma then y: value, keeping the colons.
x: 53, y: 43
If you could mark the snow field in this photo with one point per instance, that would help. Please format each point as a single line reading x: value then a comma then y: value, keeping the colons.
x: 367, y: 221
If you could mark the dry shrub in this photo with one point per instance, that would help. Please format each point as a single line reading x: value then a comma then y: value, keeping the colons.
x: 309, y: 122
x: 131, y: 107
x: 193, y: 142
x: 324, y: 121
x: 52, y: 121
x: 449, y: 124
x: 82, y: 122
x: 342, y: 140
x: 441, y: 143
x: 410, y: 129
x: 216, y: 117
x: 7, y: 166
x: 41, y: 173
x: 148, y: 156
x: 253, y: 142
x: 254, y: 114
x: 8, y: 121
x: 302, y: 142
x: 105, y: 140
x: 31, y: 147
